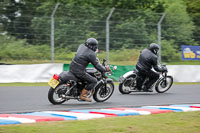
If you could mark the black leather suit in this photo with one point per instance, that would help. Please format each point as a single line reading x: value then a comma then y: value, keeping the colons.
x: 146, y: 62
x: 78, y: 66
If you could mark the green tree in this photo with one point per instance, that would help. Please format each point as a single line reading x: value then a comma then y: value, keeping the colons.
x: 132, y: 25
x: 170, y: 52
x: 178, y: 25
x: 16, y: 18
x: 193, y: 8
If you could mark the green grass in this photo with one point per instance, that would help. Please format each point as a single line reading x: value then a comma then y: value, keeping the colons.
x: 187, y: 83
x: 113, y: 62
x: 117, y: 57
x: 181, y: 122
x: 192, y: 62
x: 32, y: 61
x: 24, y: 84
x: 46, y: 84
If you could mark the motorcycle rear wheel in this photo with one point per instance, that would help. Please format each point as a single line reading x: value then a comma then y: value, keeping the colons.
x: 162, y: 86
x: 100, y: 96
x: 124, y: 89
x: 55, y: 98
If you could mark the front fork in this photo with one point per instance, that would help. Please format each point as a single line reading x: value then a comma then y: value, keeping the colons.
x: 165, y: 79
x: 164, y: 82
x: 103, y: 85
x: 105, y: 90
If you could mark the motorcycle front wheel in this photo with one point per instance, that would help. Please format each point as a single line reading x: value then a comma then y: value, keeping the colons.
x: 54, y: 95
x: 102, y: 94
x: 164, y: 84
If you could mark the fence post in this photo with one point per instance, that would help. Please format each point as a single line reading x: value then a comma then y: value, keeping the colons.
x: 52, y: 32
x: 159, y: 36
x: 108, y: 34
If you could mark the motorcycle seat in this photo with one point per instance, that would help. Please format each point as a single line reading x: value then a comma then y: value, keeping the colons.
x: 65, y: 76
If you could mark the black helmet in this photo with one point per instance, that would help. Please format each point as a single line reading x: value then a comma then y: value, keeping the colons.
x: 92, y: 43
x: 154, y: 48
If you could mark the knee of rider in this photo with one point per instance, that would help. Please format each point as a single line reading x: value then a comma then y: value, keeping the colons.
x: 90, y: 86
x: 94, y: 82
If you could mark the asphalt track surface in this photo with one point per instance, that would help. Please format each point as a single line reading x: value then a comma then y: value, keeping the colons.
x: 34, y: 98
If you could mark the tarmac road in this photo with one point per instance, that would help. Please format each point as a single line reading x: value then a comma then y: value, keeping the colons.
x: 34, y: 98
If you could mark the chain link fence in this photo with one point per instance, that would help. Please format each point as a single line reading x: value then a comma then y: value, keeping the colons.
x: 65, y: 27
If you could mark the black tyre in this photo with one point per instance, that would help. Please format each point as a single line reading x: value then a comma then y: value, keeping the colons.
x: 123, y: 89
x: 162, y: 85
x: 100, y: 95
x: 55, y: 97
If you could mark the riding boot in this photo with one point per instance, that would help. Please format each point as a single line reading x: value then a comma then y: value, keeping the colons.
x: 84, y: 97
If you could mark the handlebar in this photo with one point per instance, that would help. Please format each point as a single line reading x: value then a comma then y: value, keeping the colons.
x: 111, y: 66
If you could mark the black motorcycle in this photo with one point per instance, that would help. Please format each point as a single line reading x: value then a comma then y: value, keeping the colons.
x: 66, y: 86
x: 132, y: 81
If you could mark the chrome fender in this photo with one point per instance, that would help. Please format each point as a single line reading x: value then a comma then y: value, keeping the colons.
x: 123, y: 77
x: 128, y: 74
x: 108, y: 80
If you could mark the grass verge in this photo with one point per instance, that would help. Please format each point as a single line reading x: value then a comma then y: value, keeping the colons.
x: 181, y: 122
x: 24, y: 84
x: 116, y: 83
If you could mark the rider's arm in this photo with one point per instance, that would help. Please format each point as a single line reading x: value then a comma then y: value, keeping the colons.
x: 155, y: 65
x: 95, y: 61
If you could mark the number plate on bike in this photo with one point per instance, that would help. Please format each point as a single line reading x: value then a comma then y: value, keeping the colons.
x: 53, y: 83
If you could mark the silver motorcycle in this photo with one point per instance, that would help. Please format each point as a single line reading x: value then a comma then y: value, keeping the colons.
x: 132, y: 81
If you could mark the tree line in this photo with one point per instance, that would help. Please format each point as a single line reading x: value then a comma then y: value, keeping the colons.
x: 132, y: 25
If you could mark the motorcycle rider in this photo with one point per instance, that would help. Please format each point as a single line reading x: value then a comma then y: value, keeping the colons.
x: 86, y: 53
x: 148, y: 60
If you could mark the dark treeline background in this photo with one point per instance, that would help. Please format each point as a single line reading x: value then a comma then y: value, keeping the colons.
x: 133, y: 25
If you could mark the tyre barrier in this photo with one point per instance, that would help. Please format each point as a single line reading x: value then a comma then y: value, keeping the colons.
x: 85, y: 114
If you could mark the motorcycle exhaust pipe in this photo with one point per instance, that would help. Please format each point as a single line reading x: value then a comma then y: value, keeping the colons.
x: 68, y: 97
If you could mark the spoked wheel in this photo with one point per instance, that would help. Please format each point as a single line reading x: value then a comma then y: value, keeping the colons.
x: 126, y: 86
x: 55, y: 95
x: 164, y: 84
x: 124, y: 89
x: 102, y: 93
